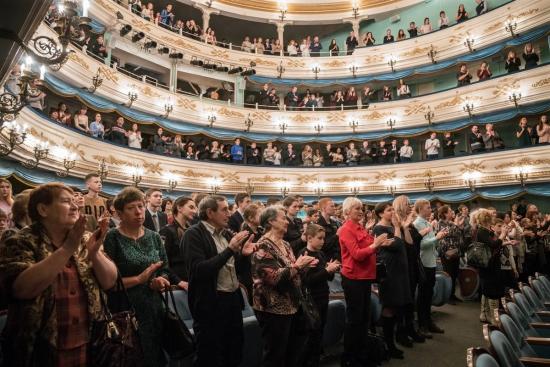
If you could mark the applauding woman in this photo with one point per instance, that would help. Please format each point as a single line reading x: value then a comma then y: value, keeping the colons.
x: 142, y: 262
x: 54, y: 273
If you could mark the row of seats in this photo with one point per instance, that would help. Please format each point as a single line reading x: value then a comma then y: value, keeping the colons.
x: 521, y: 336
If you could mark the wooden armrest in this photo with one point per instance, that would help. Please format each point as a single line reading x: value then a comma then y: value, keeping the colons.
x: 534, y: 361
x: 540, y: 325
x: 547, y: 304
x: 543, y: 313
x: 535, y: 340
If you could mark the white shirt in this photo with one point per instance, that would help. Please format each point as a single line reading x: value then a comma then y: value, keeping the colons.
x: 134, y: 140
x: 426, y: 28
x: 406, y: 151
x: 443, y: 21
x: 432, y: 146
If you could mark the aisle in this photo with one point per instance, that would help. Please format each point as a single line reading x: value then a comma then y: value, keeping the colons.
x: 462, y: 330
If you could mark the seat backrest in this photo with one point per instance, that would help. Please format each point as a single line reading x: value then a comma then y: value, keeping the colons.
x: 532, y: 297
x: 247, y: 311
x: 335, y: 285
x: 545, y: 280
x: 515, y: 335
x: 525, y: 306
x: 486, y: 360
x: 541, y: 289
x: 508, y: 355
x: 182, y: 305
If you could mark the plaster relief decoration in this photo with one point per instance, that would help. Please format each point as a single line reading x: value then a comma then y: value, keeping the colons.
x: 143, y: 26
x: 261, y: 116
x: 229, y: 176
x: 79, y: 60
x: 301, y: 118
x: 181, y: 43
x: 149, y: 92
x: 336, y: 117
x: 428, y: 173
x: 414, y: 108
x: 111, y: 160
x: 294, y: 63
x: 153, y: 168
x: 472, y: 167
x: 374, y: 58
x: 375, y: 115
x: 457, y: 37
x: 40, y: 136
x: 270, y: 179
x: 186, y: 103
x: 306, y: 179
x: 335, y: 64
x: 108, y: 73
x: 220, y: 53
x: 383, y: 176
x: 455, y: 101
x: 525, y: 161
x: 417, y: 51
x: 493, y: 27
x: 224, y: 111
x: 528, y: 12
x: 506, y: 86
x: 107, y: 6
x: 75, y: 148
x: 541, y: 83
x: 258, y: 61
x: 191, y: 173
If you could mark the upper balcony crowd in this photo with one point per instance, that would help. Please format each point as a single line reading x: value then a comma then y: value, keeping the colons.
x: 309, y: 45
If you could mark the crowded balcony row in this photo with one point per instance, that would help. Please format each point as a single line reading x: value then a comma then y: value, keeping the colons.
x: 442, y: 45
x: 56, y: 148
x: 501, y: 94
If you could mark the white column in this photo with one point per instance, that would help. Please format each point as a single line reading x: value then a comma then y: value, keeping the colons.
x: 206, y: 12
x: 355, y: 25
x: 281, y: 31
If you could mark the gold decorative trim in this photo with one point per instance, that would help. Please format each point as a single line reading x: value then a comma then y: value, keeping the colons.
x: 229, y: 177
x: 506, y: 86
x: 108, y: 73
x: 301, y: 118
x: 295, y: 63
x: 186, y: 103
x: 258, y: 61
x: 417, y: 51
x: 541, y: 83
x: 79, y: 60
x: 306, y: 8
x: 428, y: 173
x: 472, y: 167
x: 149, y: 92
x: 261, y: 116
x: 414, y: 108
x: 224, y: 111
x: 335, y: 64
x: 525, y: 161
x: 220, y: 53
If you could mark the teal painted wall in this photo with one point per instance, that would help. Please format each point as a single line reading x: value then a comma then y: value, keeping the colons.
x: 416, y: 13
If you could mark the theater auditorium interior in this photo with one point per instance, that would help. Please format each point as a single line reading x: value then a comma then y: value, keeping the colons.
x: 263, y: 183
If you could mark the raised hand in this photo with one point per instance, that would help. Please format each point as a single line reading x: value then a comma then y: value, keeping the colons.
x: 159, y: 284
x: 72, y: 241
x: 236, y: 242
x: 96, y: 239
x: 249, y: 247
x: 332, y: 266
x: 148, y: 273
x: 305, y: 260
x: 379, y: 240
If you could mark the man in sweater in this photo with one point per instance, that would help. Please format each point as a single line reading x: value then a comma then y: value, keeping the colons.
x: 432, y: 146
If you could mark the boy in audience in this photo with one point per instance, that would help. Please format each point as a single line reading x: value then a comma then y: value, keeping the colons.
x: 93, y: 203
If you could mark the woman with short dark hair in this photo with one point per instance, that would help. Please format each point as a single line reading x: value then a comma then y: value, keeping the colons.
x: 143, y: 265
x: 54, y: 274
x: 450, y: 246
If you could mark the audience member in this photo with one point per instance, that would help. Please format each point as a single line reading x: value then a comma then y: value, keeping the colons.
x: 351, y: 43
x: 432, y: 146
x: 462, y: 14
x: 512, y: 62
x: 530, y: 57
x: 154, y: 219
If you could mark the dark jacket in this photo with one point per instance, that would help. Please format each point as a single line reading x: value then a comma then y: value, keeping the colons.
x: 149, y: 224
x: 331, y: 247
x: 203, y: 264
x: 290, y: 159
x: 235, y: 221
x: 316, y: 279
x: 293, y: 234
x: 172, y: 234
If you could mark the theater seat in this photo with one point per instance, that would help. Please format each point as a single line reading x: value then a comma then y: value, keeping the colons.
x: 182, y: 306
x: 541, y: 290
x: 528, y: 346
x: 521, y: 319
x: 336, y: 321
x: 533, y: 298
x: 480, y: 357
x: 253, y: 343
x: 533, y: 314
x: 442, y: 289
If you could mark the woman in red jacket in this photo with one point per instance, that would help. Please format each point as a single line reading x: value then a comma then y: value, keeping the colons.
x: 358, y: 249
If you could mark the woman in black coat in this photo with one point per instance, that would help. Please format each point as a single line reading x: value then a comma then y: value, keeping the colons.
x: 491, y: 278
x: 395, y: 290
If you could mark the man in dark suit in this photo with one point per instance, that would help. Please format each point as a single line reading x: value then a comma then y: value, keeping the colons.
x: 155, y: 219
x: 331, y: 247
x: 215, y: 299
x: 242, y: 200
x: 290, y: 158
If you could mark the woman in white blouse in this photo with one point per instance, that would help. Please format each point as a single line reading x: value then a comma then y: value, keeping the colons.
x: 443, y: 20
x: 134, y: 137
x: 403, y: 89
x: 304, y: 48
x: 426, y: 27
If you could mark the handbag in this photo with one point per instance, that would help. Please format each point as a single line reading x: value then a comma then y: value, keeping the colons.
x: 310, y: 313
x: 478, y: 255
x: 451, y: 254
x: 176, y: 338
x: 114, y: 340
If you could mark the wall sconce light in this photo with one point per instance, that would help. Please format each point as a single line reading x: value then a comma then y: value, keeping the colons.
x: 429, y: 115
x: 316, y: 70
x: 391, y: 123
x: 283, y: 9
x: 511, y: 26
x: 391, y: 63
x: 429, y: 183
x: 136, y: 173
x: 280, y: 70
x: 319, y: 127
x: 354, y: 187
x: 469, y: 108
x: 69, y: 162
x: 522, y: 174
x: 16, y: 136
x: 248, y: 122
x: 353, y: 124
x: 215, y: 185
x: 168, y: 107
x: 392, y: 189
x: 97, y: 80
x: 355, y: 8
x: 249, y: 188
x: 284, y: 188
x: 132, y: 97
x: 41, y: 151
x: 432, y: 54
x: 211, y: 119
x: 515, y: 98
x: 470, y: 44
x: 353, y: 69
x: 283, y: 126
x: 102, y: 170
x: 470, y: 180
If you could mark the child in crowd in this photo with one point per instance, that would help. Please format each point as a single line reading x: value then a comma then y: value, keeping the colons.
x: 315, y: 280
x: 507, y: 262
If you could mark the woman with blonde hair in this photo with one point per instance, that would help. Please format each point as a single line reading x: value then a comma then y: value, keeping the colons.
x: 6, y: 196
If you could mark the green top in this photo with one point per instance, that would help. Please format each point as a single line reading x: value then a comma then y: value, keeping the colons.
x: 132, y: 257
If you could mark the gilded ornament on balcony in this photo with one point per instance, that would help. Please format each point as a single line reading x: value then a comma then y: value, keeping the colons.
x: 428, y: 173
x: 40, y: 136
x: 259, y: 61
x: 374, y: 58
x: 336, y: 117
x: 528, y: 12
x: 455, y: 101
x: 472, y: 167
x: 73, y: 56
x: 335, y: 64
x: 525, y: 161
x: 191, y: 173
x: 261, y: 116
x: 149, y: 92
x: 457, y: 38
x: 506, y: 86
x: 270, y: 179
x: 301, y: 118
x: 375, y: 115
x: 295, y: 63
x: 493, y: 27
x: 141, y: 25
x: 107, y: 6
x: 220, y: 53
x: 108, y: 73
x: 71, y: 147
x: 382, y: 176
x: 181, y: 43
x: 414, y: 108
x: 306, y: 179
x: 153, y: 168
x: 224, y: 111
x: 541, y: 83
x: 186, y: 103
x: 112, y: 160
x: 227, y: 176
x: 417, y: 51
